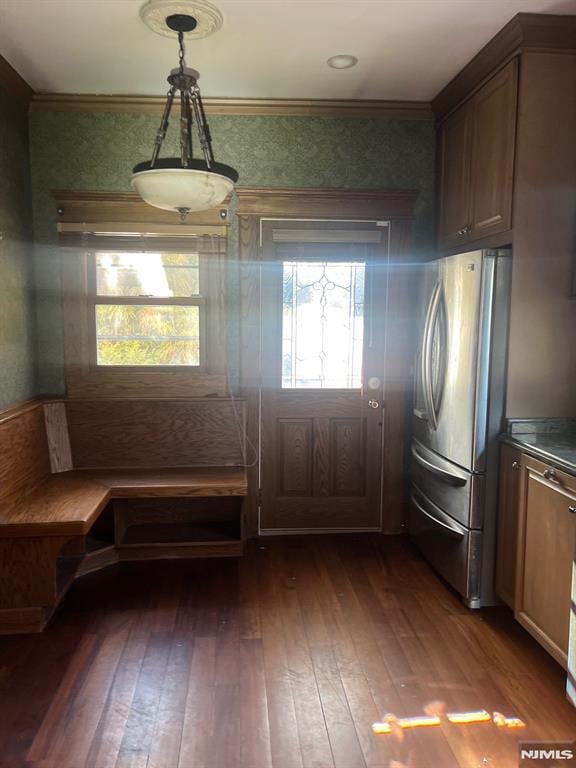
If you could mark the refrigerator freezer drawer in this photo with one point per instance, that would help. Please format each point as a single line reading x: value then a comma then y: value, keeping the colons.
x: 456, y: 491
x: 453, y: 550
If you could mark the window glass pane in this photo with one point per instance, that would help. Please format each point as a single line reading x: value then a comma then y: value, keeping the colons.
x: 322, y: 324
x: 147, y: 335
x: 147, y: 274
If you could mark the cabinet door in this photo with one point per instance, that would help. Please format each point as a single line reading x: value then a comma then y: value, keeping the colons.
x: 492, y: 167
x: 455, y: 146
x: 547, y: 538
x: 510, y: 474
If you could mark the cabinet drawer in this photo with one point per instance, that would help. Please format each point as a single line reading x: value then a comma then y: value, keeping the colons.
x: 556, y: 477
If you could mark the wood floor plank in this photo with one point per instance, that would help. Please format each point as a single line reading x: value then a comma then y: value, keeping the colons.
x: 167, y: 737
x: 254, y: 726
x: 85, y: 710
x: 312, y: 729
x: 53, y: 724
x: 349, y: 658
x: 199, y: 708
x: 393, y: 632
x: 283, y: 727
x: 108, y: 737
x: 282, y: 659
x: 140, y: 726
x: 337, y: 715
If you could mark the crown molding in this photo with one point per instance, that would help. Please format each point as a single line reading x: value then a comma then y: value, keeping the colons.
x: 383, y: 110
x: 14, y: 83
x: 534, y: 32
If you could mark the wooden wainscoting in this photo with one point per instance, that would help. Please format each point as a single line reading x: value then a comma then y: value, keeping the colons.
x: 24, y: 462
x: 156, y: 433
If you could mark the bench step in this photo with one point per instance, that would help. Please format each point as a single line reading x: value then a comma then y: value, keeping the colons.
x: 68, y: 503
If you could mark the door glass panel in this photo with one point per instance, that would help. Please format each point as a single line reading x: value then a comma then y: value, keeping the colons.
x: 322, y: 324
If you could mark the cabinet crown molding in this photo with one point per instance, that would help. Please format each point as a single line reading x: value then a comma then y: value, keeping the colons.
x: 535, y: 32
x: 14, y: 83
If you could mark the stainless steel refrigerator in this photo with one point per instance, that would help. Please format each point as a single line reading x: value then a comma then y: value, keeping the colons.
x: 458, y: 409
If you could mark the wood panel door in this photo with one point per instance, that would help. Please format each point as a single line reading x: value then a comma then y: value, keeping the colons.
x: 455, y: 148
x: 493, y: 140
x: 546, y: 548
x: 323, y: 299
x: 509, y: 497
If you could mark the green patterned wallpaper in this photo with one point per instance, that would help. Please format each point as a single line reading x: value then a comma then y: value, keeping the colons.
x: 17, y: 369
x: 97, y: 151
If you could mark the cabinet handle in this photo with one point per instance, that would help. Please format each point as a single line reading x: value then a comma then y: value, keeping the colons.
x: 516, y: 465
x: 550, y: 474
x: 572, y: 510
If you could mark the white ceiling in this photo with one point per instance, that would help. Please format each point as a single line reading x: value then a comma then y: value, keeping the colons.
x: 408, y: 49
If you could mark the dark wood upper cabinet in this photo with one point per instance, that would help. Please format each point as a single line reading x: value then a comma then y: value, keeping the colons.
x: 477, y: 162
x: 455, y: 146
x: 493, y: 139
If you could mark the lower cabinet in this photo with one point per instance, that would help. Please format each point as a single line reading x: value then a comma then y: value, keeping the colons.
x: 546, y: 545
x: 509, y: 496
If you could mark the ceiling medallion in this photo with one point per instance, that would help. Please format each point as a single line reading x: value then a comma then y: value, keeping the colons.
x: 185, y: 184
x: 208, y: 18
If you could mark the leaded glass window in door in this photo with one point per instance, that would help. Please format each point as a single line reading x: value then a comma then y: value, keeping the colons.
x: 322, y: 324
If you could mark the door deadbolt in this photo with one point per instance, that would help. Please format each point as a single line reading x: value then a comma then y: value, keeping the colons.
x: 373, y: 403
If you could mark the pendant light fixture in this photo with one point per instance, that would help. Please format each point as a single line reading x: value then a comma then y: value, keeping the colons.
x: 185, y: 184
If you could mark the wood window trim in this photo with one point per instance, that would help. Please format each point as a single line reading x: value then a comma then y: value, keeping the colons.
x: 315, y: 202
x: 90, y: 212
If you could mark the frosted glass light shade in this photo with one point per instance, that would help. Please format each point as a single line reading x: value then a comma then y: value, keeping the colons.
x: 174, y: 189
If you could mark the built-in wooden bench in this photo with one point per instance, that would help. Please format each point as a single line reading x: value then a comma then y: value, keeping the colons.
x: 66, y: 510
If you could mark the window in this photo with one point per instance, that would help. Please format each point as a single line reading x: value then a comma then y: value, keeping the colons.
x: 148, y: 309
x: 144, y: 299
x: 322, y: 324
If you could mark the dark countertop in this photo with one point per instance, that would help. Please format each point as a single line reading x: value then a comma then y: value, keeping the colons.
x: 550, y: 440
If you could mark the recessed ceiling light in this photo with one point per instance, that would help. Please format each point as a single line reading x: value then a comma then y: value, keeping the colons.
x: 342, y: 61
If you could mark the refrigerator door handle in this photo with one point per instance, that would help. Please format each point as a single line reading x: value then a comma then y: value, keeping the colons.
x: 456, y: 532
x: 427, y: 355
x: 448, y: 477
x: 422, y: 413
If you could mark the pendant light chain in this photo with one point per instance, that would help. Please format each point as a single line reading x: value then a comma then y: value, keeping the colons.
x: 190, y: 101
x: 184, y: 183
x: 181, y: 52
x: 161, y: 133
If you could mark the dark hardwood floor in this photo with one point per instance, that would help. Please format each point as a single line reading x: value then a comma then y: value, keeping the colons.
x: 283, y: 659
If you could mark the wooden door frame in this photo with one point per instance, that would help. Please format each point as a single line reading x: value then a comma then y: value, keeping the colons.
x: 394, y: 206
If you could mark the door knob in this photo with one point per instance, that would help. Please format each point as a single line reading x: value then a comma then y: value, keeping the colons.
x: 373, y: 404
